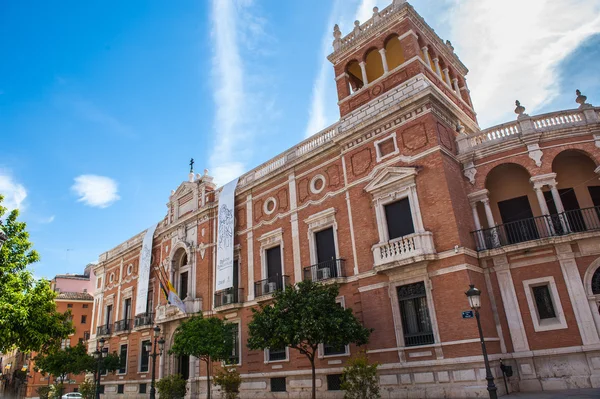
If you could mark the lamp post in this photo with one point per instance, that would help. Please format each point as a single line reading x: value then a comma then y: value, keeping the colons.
x: 148, y: 346
x: 3, y: 236
x: 100, y: 353
x: 474, y: 296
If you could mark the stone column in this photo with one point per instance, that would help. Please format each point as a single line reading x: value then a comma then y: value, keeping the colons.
x: 480, y: 237
x: 363, y: 69
x: 426, y: 56
x: 544, y: 208
x: 436, y: 63
x: 384, y: 60
x: 295, y: 229
x: 455, y: 85
x: 490, y: 220
x: 581, y: 308
x: 559, y: 207
x: 447, y: 76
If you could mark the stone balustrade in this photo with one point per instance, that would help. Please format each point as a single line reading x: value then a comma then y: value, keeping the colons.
x: 528, y: 124
x: 403, y: 248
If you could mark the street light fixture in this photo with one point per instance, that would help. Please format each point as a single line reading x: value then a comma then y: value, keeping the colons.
x: 100, y: 353
x: 474, y: 296
x: 148, y: 346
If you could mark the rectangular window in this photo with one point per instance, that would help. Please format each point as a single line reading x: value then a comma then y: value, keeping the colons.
x: 416, y: 323
x: 85, y: 306
x: 150, y: 302
x: 235, y: 354
x: 69, y: 305
x: 123, y: 359
x: 274, y: 262
x: 83, y: 319
x: 331, y: 350
x: 325, y: 245
x: 334, y: 382
x: 142, y: 388
x: 277, y: 354
x: 543, y: 302
x: 236, y: 274
x: 101, y: 389
x: 278, y: 384
x: 183, y: 285
x: 398, y: 217
x: 121, y: 388
x: 65, y: 343
x: 127, y: 309
x: 108, y: 315
x: 144, y: 361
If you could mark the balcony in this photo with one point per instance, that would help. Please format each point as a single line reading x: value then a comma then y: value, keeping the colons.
x: 569, y: 222
x: 325, y: 270
x: 103, y: 330
x: 403, y: 248
x: 230, y: 296
x: 123, y: 325
x: 143, y: 320
x: 270, y: 285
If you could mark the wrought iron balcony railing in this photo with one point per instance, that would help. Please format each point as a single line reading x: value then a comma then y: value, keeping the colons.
x: 270, y: 285
x: 123, y: 325
x: 325, y: 270
x: 229, y: 296
x: 103, y: 330
x: 143, y: 319
x: 416, y: 339
x: 568, y: 222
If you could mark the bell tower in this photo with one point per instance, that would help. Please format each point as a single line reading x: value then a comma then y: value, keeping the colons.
x: 394, y: 46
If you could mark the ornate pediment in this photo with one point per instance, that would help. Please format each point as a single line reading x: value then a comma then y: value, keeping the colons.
x: 183, y: 189
x: 391, y: 177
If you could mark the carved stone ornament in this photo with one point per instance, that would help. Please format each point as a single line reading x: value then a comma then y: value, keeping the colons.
x: 535, y: 153
x: 520, y: 110
x: 470, y: 172
x: 581, y: 100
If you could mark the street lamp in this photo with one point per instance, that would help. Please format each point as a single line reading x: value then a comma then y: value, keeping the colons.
x: 101, y: 352
x: 474, y: 296
x: 148, y: 347
x: 3, y: 236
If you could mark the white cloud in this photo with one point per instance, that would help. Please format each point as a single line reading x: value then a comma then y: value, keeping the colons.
x: 323, y: 108
x: 95, y: 191
x: 47, y: 220
x: 14, y: 193
x: 240, y: 106
x: 513, y: 49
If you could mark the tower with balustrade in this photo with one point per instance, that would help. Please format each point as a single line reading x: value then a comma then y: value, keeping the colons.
x: 404, y: 202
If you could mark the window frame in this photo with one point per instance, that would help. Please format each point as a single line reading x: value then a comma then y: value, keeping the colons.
x: 142, y: 355
x: 267, y: 355
x: 376, y: 143
x: 239, y: 342
x: 267, y: 241
x: 318, y: 222
x: 119, y: 372
x: 555, y: 323
x: 341, y: 300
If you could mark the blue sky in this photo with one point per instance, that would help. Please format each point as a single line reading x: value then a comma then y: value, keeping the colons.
x: 102, y: 104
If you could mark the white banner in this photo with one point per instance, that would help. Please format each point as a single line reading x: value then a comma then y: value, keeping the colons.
x: 225, y: 236
x: 144, y: 272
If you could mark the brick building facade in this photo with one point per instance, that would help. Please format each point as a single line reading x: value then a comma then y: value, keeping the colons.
x: 404, y: 202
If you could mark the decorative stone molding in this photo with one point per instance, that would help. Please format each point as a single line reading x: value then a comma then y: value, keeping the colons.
x: 313, y: 184
x: 535, y: 154
x: 470, y: 171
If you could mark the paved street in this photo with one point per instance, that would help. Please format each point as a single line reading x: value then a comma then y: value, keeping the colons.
x: 574, y: 393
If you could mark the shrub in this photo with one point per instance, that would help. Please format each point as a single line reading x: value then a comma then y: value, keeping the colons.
x: 171, y: 387
x: 44, y: 392
x: 87, y: 389
x: 229, y: 380
x: 359, y: 379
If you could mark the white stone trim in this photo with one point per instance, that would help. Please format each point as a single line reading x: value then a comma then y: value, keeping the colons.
x: 269, y: 200
x: 376, y: 143
x: 318, y: 222
x: 557, y: 323
x: 267, y: 241
x: 295, y: 229
x: 313, y: 181
x: 593, y: 299
x: 287, y: 356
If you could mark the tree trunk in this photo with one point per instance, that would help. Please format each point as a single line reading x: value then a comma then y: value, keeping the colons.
x: 314, y: 377
x: 208, y: 378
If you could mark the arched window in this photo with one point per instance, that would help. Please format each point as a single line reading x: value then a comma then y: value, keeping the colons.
x: 374, y: 65
x: 596, y: 282
x: 354, y: 76
x: 181, y: 273
x: 393, y: 52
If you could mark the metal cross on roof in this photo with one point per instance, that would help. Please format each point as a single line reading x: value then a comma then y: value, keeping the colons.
x: 192, y: 165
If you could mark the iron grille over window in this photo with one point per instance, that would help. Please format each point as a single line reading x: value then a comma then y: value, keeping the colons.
x: 543, y: 302
x: 145, y: 358
x: 334, y: 382
x: 416, y: 323
x: 277, y: 354
x: 142, y: 388
x: 123, y: 360
x: 121, y: 388
x: 235, y: 353
x: 278, y: 384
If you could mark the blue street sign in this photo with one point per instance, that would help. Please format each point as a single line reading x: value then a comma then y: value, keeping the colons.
x: 468, y: 314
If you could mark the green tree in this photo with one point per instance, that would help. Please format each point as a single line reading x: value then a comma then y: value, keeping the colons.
x: 229, y: 380
x: 87, y: 389
x: 28, y: 316
x: 171, y: 387
x: 73, y: 360
x: 302, y: 318
x: 208, y: 339
x: 359, y: 379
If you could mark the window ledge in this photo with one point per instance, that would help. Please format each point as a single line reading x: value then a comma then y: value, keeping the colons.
x: 550, y: 324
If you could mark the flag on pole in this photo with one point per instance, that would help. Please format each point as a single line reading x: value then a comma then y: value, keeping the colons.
x: 169, y: 291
